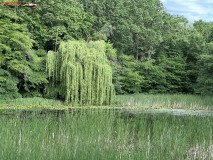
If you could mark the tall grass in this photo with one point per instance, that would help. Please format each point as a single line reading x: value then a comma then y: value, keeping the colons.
x: 167, y: 101
x: 135, y: 100
x: 35, y: 102
x: 104, y: 134
x: 32, y: 101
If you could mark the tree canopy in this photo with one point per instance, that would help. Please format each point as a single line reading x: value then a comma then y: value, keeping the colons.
x: 147, y: 49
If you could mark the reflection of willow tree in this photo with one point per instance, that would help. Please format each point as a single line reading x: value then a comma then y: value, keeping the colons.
x: 81, y: 72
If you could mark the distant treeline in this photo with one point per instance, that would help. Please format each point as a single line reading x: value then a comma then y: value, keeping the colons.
x: 149, y: 50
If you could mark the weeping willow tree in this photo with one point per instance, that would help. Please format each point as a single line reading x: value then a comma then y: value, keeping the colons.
x: 80, y: 72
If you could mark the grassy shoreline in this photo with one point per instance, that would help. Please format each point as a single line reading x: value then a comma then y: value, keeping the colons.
x: 175, y: 101
x: 135, y: 101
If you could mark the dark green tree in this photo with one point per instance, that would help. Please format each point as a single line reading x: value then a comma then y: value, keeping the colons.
x: 18, y: 63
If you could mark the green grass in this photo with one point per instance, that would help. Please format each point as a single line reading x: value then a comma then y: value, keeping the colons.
x: 103, y: 134
x: 138, y: 101
x: 174, y: 101
x: 37, y: 102
x: 31, y: 101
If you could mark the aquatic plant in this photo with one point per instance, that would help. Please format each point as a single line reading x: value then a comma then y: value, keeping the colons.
x: 172, y: 101
x: 103, y: 134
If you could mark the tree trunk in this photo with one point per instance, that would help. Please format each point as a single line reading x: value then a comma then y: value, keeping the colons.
x: 137, y: 43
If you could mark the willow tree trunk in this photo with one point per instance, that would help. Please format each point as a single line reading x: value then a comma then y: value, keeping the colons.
x: 81, y: 72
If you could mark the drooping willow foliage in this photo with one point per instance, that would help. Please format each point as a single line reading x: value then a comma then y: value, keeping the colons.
x: 81, y: 72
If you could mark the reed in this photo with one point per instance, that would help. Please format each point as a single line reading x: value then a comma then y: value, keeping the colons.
x: 103, y: 134
x: 174, y: 101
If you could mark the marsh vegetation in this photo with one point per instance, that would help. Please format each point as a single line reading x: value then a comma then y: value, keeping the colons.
x: 171, y: 101
x: 103, y: 134
x: 143, y: 101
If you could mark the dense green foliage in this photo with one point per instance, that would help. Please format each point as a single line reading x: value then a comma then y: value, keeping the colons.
x: 150, y: 51
x: 22, y: 69
x: 100, y: 134
x: 81, y: 72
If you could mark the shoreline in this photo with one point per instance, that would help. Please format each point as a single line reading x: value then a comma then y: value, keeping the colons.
x: 67, y: 107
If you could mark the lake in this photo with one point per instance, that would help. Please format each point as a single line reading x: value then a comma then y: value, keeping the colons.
x: 105, y: 134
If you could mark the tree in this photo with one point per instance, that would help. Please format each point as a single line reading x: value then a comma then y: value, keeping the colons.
x: 129, y: 78
x: 8, y: 85
x: 14, y: 42
x: 54, y: 21
x: 205, y: 76
x: 81, y: 72
x: 205, y: 29
x: 21, y: 67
